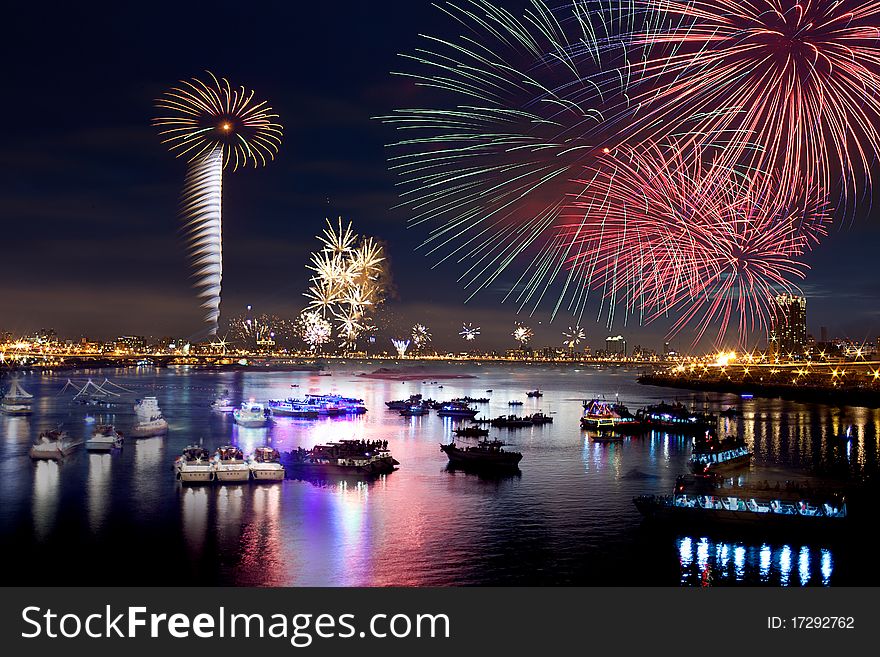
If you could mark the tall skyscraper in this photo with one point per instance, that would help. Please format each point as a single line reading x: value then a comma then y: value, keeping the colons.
x: 615, y: 345
x: 788, y: 333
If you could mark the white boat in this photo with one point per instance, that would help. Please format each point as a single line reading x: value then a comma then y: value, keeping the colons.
x: 51, y: 445
x: 223, y: 404
x: 17, y: 400
x: 229, y: 464
x: 265, y: 464
x: 195, y: 466
x: 149, y: 419
x: 251, y: 415
x: 104, y: 438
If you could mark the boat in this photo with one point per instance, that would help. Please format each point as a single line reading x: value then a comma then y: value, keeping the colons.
x: 251, y: 415
x: 416, y: 410
x: 534, y: 393
x: 710, y: 454
x: 400, y: 404
x: 512, y: 422
x: 17, y: 400
x: 229, y: 464
x: 104, y: 438
x: 265, y: 464
x: 457, y: 409
x: 471, y: 432
x: 676, y: 418
x: 471, y: 400
x: 150, y: 421
x: 486, y: 454
x: 360, y: 457
x: 730, y: 411
x: 293, y: 408
x: 763, y: 508
x: 540, y: 418
x: 194, y: 465
x: 489, y: 390
x: 337, y: 404
x: 602, y: 414
x: 223, y: 404
x: 53, y: 444
x: 514, y: 402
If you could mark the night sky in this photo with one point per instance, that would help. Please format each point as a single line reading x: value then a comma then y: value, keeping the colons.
x: 88, y: 196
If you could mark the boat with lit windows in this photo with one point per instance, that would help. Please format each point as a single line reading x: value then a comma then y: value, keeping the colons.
x: 457, y: 410
x: 486, y: 454
x: 293, y: 408
x: 713, y: 455
x: 345, y: 405
x: 104, y: 438
x: 17, y: 400
x: 676, y: 418
x: 602, y: 414
x: 149, y: 419
x: 229, y: 464
x: 359, y: 457
x: 52, y: 444
x: 415, y: 410
x: 400, y: 404
x: 265, y: 464
x: 195, y: 466
x: 251, y: 415
x: 790, y: 508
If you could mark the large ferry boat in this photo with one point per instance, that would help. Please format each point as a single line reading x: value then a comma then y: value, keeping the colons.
x: 486, y: 454
x: 265, y: 464
x: 340, y: 405
x: 601, y: 414
x: 194, y: 465
x: 401, y: 404
x: 676, y: 418
x: 229, y: 464
x: 710, y: 454
x: 293, y: 408
x: 764, y: 508
x: 361, y: 457
x: 17, y: 400
x: 150, y: 421
x: 251, y: 415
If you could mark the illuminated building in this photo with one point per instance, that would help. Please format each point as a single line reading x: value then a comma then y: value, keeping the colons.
x: 615, y: 346
x: 788, y: 332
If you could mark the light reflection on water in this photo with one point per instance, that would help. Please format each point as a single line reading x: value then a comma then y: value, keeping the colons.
x: 566, y: 518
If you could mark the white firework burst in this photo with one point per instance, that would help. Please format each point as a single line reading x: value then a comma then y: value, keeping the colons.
x: 469, y: 332
x: 522, y: 334
x: 573, y: 336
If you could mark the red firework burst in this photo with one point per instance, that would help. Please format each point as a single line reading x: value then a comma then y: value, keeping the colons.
x: 786, y: 85
x: 665, y: 230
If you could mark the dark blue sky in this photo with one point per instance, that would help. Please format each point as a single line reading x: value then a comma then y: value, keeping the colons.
x: 88, y: 195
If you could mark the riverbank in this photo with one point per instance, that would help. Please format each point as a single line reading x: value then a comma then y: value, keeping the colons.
x: 837, y: 395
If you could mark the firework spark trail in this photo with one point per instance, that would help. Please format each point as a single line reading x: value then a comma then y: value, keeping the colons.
x: 664, y: 230
x: 784, y: 85
x: 213, y: 126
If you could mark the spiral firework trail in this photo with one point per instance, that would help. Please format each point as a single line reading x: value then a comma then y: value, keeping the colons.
x: 519, y: 109
x: 786, y: 85
x: 665, y: 230
x: 213, y: 126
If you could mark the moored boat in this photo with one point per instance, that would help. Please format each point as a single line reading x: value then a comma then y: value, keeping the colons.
x: 486, y: 454
x: 53, y: 444
x: 150, y: 421
x: 676, y: 418
x: 251, y: 415
x: 415, y: 410
x: 17, y: 400
x: 535, y: 393
x: 400, y: 404
x: 602, y: 414
x: 471, y: 432
x: 229, y: 464
x: 512, y: 422
x: 265, y: 464
x: 223, y: 404
x: 194, y: 465
x: 104, y: 438
x: 710, y: 454
x: 457, y: 409
x: 361, y: 457
x: 293, y: 408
